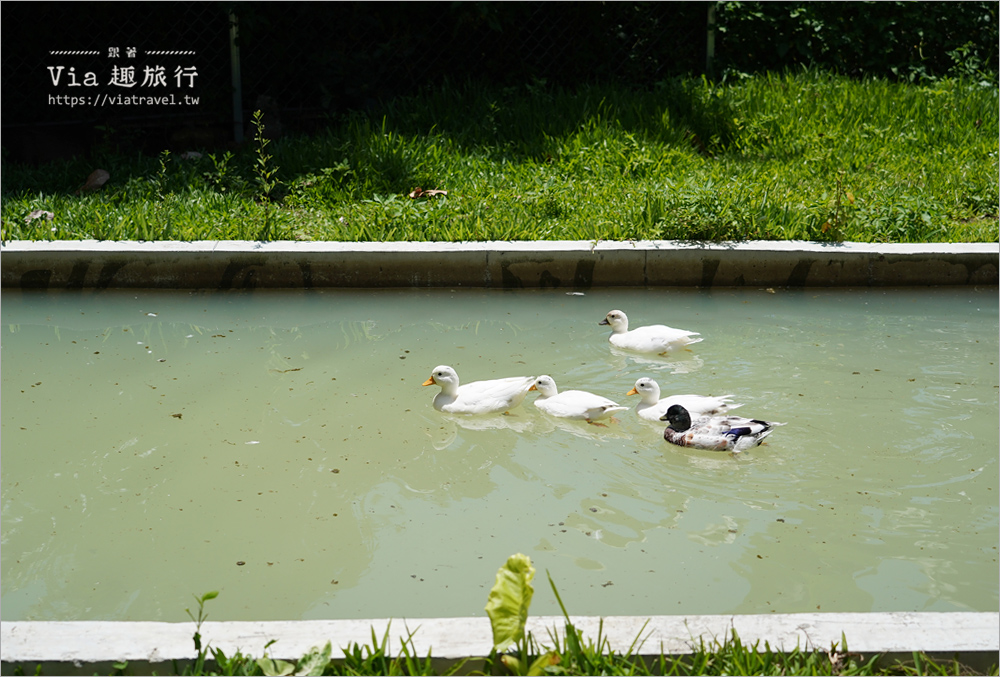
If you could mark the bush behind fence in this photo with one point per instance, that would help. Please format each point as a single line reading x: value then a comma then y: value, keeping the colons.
x: 312, y: 60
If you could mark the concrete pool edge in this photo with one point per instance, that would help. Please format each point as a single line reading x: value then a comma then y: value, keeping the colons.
x: 973, y: 638
x: 501, y: 265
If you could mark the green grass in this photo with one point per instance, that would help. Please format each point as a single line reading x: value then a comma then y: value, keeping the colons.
x: 801, y: 156
x: 575, y: 656
x: 730, y: 657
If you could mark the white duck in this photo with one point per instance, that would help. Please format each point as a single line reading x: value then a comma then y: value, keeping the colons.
x: 575, y: 404
x: 479, y: 397
x: 655, y: 338
x: 718, y: 433
x: 652, y: 408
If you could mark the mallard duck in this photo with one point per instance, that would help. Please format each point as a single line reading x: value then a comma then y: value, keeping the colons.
x: 652, y: 408
x: 495, y: 396
x: 576, y: 404
x: 656, y: 338
x: 718, y: 433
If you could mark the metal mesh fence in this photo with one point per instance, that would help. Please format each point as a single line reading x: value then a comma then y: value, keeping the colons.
x: 348, y: 55
x: 66, y: 66
x: 152, y: 75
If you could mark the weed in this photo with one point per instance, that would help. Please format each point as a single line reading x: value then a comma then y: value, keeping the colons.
x: 201, y: 652
x: 833, y: 227
x: 265, y: 175
x: 162, y: 208
x: 223, y: 177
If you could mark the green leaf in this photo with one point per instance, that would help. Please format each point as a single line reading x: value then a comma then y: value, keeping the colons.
x: 512, y: 664
x: 314, y: 662
x: 542, y: 662
x: 507, y: 605
x: 275, y: 668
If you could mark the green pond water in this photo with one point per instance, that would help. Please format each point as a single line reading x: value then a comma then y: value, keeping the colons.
x: 278, y: 447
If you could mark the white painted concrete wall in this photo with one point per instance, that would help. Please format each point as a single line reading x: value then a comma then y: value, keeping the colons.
x: 575, y: 265
x: 973, y: 637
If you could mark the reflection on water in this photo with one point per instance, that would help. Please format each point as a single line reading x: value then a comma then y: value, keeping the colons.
x: 278, y: 446
x: 684, y: 361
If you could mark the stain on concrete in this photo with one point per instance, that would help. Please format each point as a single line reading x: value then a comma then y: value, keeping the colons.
x: 241, y: 274
x: 548, y: 281
x: 800, y: 273
x: 78, y: 275
x: 985, y: 273
x: 583, y: 277
x: 35, y: 279
x: 109, y: 271
x: 307, y: 276
x: 508, y: 279
x: 709, y: 267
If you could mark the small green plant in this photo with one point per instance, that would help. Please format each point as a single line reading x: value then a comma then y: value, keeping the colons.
x: 377, y: 659
x: 833, y: 227
x: 507, y: 607
x: 202, y: 652
x: 222, y: 176
x: 164, y: 198
x: 265, y: 173
x: 160, y: 181
x: 314, y: 662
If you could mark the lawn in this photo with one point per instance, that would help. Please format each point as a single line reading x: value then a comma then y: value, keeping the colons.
x: 801, y: 156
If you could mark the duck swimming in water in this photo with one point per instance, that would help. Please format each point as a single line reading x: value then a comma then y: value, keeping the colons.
x: 655, y: 338
x: 575, y: 404
x: 651, y: 407
x: 495, y: 396
x: 715, y: 433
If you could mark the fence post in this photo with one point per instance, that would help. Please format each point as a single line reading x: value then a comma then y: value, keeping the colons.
x: 710, y: 44
x: 234, y: 61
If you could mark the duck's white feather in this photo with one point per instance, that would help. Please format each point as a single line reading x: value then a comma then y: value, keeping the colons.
x: 655, y: 338
x: 493, y: 396
x: 651, y: 407
x: 575, y: 404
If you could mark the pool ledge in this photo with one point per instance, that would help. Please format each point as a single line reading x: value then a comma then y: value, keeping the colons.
x: 83, y: 647
x: 502, y: 265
